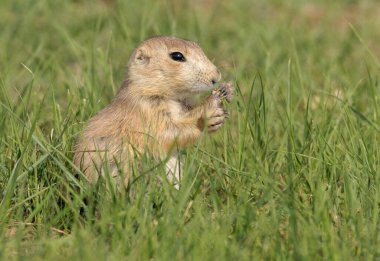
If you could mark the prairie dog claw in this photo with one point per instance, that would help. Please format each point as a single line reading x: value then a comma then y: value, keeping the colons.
x: 226, y: 91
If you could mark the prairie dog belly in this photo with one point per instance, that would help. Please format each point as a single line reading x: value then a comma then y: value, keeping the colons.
x: 174, y: 170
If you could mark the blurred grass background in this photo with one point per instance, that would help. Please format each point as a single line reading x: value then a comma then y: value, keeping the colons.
x: 292, y: 175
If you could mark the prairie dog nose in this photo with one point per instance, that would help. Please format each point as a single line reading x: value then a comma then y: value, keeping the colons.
x: 216, y: 76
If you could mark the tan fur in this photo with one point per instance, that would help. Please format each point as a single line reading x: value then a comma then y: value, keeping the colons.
x: 152, y: 111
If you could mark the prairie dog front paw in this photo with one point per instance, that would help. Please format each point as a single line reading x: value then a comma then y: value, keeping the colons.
x: 213, y: 118
x: 226, y: 91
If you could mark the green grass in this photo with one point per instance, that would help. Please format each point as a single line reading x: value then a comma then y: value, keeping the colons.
x: 292, y: 175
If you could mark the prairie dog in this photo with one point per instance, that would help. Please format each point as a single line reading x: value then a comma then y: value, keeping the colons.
x: 153, y: 112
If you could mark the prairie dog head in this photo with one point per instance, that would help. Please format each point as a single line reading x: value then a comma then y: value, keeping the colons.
x: 171, y: 67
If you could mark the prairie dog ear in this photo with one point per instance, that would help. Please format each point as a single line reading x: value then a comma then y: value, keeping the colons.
x: 142, y: 56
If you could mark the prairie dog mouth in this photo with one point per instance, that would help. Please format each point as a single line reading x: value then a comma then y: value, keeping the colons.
x: 202, y: 87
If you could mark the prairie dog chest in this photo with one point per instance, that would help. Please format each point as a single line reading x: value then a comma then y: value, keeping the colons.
x: 174, y: 109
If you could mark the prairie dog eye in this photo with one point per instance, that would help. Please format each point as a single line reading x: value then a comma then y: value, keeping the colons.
x: 177, y: 56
